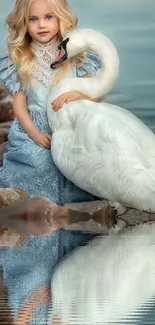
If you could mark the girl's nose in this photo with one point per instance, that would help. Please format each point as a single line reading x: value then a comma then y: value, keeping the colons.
x: 41, y: 23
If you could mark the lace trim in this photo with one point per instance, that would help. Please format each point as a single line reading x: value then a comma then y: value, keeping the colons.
x: 45, y: 54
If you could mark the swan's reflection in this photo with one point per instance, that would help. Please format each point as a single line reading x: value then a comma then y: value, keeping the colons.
x: 112, y: 280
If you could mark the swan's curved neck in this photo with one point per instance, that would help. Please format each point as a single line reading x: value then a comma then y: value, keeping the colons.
x: 107, y: 75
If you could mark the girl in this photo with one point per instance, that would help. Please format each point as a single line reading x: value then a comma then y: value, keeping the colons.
x: 36, y: 27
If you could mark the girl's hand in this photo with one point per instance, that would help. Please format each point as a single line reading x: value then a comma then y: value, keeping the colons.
x: 42, y: 139
x: 68, y: 97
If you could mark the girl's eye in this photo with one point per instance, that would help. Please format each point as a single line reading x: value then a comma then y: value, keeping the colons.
x: 49, y: 17
x: 33, y: 19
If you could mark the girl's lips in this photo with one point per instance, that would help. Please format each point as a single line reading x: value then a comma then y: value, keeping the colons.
x: 43, y: 33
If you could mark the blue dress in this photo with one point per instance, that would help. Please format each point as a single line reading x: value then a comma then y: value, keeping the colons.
x: 31, y: 168
x: 27, y: 166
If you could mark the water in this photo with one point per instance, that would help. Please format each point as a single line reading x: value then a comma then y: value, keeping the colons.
x: 130, y: 24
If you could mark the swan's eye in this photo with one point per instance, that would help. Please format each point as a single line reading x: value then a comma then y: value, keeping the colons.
x: 63, y: 44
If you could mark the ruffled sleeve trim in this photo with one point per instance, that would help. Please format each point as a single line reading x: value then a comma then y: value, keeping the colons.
x: 8, y: 75
x: 91, y: 65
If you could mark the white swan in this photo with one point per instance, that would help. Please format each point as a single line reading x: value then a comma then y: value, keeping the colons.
x: 102, y: 148
x: 109, y: 281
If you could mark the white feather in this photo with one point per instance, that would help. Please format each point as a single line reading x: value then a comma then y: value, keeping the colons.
x: 102, y: 148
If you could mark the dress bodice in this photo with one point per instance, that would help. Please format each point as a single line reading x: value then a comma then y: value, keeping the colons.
x: 37, y: 97
x: 38, y: 94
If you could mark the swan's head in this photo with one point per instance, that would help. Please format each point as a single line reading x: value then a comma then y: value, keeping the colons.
x: 72, y: 45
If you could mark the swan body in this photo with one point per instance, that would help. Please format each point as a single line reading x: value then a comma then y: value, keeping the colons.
x: 109, y: 281
x: 102, y: 148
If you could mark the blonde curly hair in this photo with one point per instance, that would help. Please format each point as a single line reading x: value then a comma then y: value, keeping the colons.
x: 19, y: 39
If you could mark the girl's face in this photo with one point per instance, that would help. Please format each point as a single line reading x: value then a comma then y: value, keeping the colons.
x: 42, y: 24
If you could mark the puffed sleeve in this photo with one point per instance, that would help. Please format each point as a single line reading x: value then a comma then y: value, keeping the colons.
x: 8, y: 75
x: 90, y: 66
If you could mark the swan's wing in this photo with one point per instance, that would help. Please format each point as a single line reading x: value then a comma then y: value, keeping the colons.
x: 110, y: 126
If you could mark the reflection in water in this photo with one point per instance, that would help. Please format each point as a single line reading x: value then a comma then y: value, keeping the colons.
x: 109, y: 281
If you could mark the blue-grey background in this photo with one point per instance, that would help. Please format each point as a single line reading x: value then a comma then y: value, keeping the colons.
x: 130, y: 24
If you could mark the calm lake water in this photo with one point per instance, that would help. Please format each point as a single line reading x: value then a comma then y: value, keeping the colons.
x: 130, y: 24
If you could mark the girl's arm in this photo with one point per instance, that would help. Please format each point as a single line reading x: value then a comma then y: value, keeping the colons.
x: 21, y: 112
x: 72, y: 96
x: 8, y: 76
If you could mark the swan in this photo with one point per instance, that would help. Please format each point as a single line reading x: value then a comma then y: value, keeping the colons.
x: 102, y: 148
x: 109, y: 281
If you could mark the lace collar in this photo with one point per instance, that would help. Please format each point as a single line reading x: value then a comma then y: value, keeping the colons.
x: 45, y: 54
